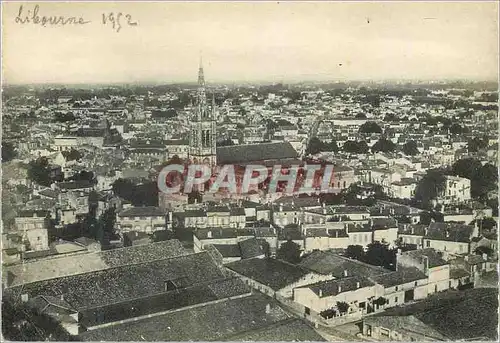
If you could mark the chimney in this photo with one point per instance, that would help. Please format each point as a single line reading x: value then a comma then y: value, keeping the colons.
x: 340, y: 289
x: 345, y: 273
x: 320, y: 293
x: 485, y: 257
x: 426, y: 231
x: 209, y: 234
x: 412, y: 230
x: 357, y: 284
x: 170, y: 216
x: 136, y: 234
x: 447, y: 234
x: 62, y: 297
x: 268, y: 308
x: 281, y: 207
x: 466, y: 258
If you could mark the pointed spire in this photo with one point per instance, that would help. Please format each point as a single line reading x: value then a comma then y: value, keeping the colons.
x: 201, y: 77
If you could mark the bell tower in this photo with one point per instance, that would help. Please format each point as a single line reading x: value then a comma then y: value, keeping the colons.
x: 203, y: 134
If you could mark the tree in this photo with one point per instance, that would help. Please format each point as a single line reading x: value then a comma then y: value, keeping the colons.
x: 225, y: 142
x: 289, y: 251
x: 430, y: 186
x: 483, y: 250
x: 483, y: 178
x: 355, y: 251
x: 342, y: 306
x: 8, y: 151
x: 72, y: 155
x: 383, y: 145
x: 457, y: 129
x: 380, y: 301
x: 356, y: 147
x: 410, y: 148
x: 38, y: 171
x: 390, y: 117
x: 64, y: 117
x: 370, y: 127
x: 379, y: 254
x: 477, y: 143
x: 314, y: 147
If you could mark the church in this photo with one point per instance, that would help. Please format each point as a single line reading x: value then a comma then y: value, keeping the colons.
x: 203, y: 139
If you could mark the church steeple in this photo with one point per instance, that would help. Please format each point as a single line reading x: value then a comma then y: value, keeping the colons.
x: 202, y: 145
x: 201, y: 77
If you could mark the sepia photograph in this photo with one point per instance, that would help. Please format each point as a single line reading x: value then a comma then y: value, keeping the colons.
x: 249, y: 171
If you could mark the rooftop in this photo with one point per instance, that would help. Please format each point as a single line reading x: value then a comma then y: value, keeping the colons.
x: 337, y: 286
x: 212, y: 322
x: 77, y: 264
x: 325, y: 262
x: 276, y: 274
x: 98, y: 288
x: 146, y: 211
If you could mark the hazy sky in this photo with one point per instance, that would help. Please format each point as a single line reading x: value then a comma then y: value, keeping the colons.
x: 254, y: 41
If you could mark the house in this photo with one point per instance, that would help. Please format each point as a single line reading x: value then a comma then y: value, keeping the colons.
x: 431, y: 263
x: 449, y: 237
x: 453, y: 316
x: 355, y: 291
x: 273, y: 277
x: 322, y: 238
x: 403, y: 189
x: 359, y: 234
x: 412, y: 234
x: 403, y: 285
x: 457, y: 190
x: 399, y: 328
x: 147, y: 219
x: 63, y: 266
x: 33, y: 226
x: 384, y: 230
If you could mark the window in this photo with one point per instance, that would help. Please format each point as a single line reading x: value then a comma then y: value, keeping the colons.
x: 428, y: 244
x: 307, y: 311
x: 396, y: 300
x: 416, y: 283
x: 396, y: 289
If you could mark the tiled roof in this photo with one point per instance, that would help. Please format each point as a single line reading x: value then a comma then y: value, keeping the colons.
x: 96, y: 289
x: 325, y: 262
x: 412, y: 229
x: 337, y: 286
x: 215, y: 233
x: 289, y: 330
x: 399, y: 277
x: 213, y: 322
x: 165, y: 301
x: 77, y: 264
x: 146, y: 211
x: 435, y: 259
x: 270, y: 272
x: 255, y: 152
x: 32, y: 213
x: 228, y: 250
x: 450, y: 232
x: 250, y: 248
x: 78, y: 184
x: 384, y: 223
x: 407, y: 325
